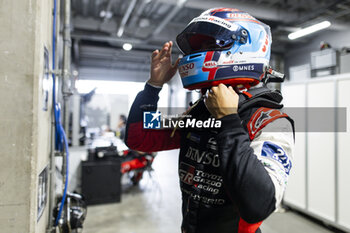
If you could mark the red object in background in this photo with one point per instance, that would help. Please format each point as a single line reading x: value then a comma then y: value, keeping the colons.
x: 134, y: 164
x: 136, y: 161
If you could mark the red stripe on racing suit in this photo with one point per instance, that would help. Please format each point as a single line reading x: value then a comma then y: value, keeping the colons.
x: 244, y: 227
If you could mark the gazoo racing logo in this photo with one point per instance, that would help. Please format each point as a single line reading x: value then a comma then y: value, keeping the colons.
x: 210, y: 64
x: 243, y: 68
x: 186, y: 173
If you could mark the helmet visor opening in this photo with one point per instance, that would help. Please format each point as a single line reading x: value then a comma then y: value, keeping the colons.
x: 199, y: 41
x: 204, y: 36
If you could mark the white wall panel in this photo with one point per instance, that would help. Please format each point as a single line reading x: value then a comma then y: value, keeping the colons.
x: 295, y: 96
x: 321, y: 157
x: 319, y: 183
x: 344, y: 158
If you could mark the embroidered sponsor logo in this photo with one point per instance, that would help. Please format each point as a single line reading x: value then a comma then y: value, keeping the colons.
x: 275, y: 152
x: 203, y: 199
x: 194, y: 137
x: 206, y: 200
x: 201, y: 180
x: 212, y: 144
x: 208, y: 182
x: 186, y: 173
x: 203, y: 157
x: 264, y: 116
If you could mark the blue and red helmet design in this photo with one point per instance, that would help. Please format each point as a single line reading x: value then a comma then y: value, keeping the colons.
x: 224, y: 45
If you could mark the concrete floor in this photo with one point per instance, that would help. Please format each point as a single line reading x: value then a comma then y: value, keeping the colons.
x: 154, y: 207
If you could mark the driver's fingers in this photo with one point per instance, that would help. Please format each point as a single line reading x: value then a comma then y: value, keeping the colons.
x: 164, y: 50
x: 222, y: 86
x: 170, y: 48
x: 231, y: 90
x: 155, y: 53
x: 214, y: 89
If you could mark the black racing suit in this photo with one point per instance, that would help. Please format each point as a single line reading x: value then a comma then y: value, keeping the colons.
x: 231, y: 177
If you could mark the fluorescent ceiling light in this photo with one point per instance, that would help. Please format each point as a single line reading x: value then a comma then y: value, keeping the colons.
x: 127, y: 46
x: 106, y: 14
x: 309, y: 30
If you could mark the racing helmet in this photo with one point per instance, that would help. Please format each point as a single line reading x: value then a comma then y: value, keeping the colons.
x: 224, y: 45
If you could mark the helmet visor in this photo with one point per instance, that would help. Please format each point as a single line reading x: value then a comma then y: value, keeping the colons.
x: 206, y: 36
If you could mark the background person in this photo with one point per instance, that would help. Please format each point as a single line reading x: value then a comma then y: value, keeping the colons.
x: 121, y: 127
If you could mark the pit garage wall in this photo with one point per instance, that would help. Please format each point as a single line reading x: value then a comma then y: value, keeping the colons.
x: 319, y: 181
x: 25, y: 129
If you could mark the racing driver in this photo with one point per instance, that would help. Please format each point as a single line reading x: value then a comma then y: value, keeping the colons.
x: 234, y: 176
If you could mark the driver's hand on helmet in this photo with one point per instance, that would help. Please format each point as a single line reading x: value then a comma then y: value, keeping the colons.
x: 222, y: 101
x: 162, y: 69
